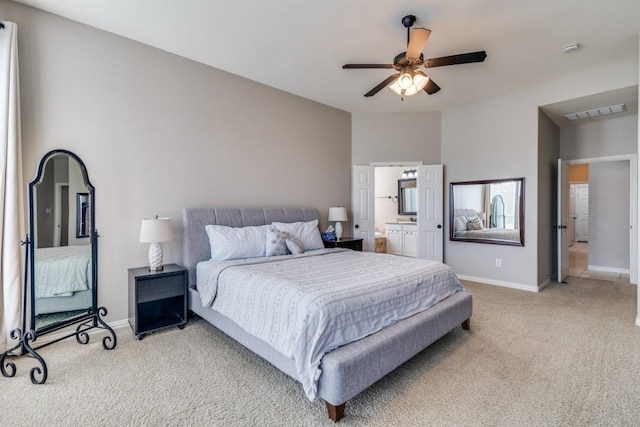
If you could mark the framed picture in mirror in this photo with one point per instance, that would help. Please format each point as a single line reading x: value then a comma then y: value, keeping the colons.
x: 83, y: 219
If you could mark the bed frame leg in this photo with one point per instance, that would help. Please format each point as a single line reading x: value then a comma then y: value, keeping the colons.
x: 466, y: 325
x: 335, y: 412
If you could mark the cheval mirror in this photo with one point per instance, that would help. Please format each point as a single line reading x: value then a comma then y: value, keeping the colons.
x: 61, y: 277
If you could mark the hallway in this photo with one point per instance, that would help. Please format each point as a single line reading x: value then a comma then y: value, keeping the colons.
x: 578, y: 263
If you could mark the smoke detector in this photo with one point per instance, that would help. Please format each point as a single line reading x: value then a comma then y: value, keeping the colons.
x: 570, y: 48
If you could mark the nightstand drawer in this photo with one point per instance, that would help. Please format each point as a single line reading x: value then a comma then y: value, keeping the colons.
x: 158, y: 288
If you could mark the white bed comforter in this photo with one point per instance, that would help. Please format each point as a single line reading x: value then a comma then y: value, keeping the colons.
x: 62, y: 270
x: 309, y: 304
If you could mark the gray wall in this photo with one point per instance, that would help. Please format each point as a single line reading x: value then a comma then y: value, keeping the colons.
x: 609, y: 215
x: 548, y: 152
x: 396, y: 137
x: 498, y: 138
x: 613, y: 136
x: 609, y: 228
x: 159, y: 133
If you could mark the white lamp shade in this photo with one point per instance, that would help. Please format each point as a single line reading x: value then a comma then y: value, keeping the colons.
x: 156, y: 230
x: 338, y: 214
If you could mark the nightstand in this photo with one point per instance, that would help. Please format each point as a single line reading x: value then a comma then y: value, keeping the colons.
x: 157, y: 299
x: 345, y: 242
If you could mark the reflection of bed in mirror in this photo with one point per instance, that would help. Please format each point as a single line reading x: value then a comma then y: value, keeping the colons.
x: 461, y: 219
x: 63, y: 279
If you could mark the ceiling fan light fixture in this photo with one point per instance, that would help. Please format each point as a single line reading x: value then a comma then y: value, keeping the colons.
x: 405, y: 80
x: 409, y: 83
x: 420, y: 80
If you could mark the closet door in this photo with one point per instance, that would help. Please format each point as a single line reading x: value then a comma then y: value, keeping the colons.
x: 363, y: 206
x: 430, y: 212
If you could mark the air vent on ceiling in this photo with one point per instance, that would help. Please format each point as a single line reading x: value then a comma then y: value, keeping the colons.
x: 602, y: 111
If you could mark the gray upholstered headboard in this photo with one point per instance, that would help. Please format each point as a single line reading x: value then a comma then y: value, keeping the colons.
x: 196, y: 243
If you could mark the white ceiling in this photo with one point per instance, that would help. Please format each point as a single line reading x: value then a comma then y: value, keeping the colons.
x: 300, y: 46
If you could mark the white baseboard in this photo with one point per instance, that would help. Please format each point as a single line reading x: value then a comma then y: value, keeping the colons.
x: 637, y: 321
x: 502, y: 283
x: 45, y: 339
x: 608, y: 269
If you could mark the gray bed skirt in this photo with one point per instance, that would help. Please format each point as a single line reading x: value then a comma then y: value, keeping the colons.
x: 352, y: 368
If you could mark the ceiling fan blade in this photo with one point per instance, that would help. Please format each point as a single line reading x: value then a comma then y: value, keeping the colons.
x: 431, y: 87
x: 464, y: 58
x: 386, y: 82
x: 349, y: 66
x: 419, y: 37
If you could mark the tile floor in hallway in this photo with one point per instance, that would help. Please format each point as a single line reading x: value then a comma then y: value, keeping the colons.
x: 578, y: 263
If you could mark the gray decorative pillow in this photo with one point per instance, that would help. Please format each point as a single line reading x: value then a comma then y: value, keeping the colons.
x: 294, y: 245
x: 277, y: 242
x: 474, y: 223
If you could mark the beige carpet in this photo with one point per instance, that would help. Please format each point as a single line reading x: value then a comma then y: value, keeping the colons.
x: 569, y: 355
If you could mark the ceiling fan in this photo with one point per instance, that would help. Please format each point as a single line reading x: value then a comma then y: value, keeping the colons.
x: 409, y: 81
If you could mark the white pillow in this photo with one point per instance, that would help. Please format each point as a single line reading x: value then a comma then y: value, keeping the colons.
x: 236, y: 242
x: 459, y: 224
x: 306, y: 232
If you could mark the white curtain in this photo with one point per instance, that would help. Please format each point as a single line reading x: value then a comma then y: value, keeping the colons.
x: 11, y: 192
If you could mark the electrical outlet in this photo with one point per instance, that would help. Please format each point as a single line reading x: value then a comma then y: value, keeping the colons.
x: 498, y: 262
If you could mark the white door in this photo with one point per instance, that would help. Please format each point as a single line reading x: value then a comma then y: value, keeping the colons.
x: 430, y: 212
x: 582, y: 212
x: 363, y: 206
x: 572, y: 214
x: 563, y: 220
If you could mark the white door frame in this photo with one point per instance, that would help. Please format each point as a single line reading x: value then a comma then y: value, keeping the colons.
x: 633, y: 205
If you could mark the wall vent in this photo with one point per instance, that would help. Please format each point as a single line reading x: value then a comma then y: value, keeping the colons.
x: 602, y: 111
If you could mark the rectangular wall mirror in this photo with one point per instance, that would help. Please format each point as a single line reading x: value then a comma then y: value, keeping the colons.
x: 487, y: 211
x: 407, y: 197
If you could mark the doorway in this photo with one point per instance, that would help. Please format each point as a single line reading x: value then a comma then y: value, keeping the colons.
x: 605, y: 242
x: 430, y: 207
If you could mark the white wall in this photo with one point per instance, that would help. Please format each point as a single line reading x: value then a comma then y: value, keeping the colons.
x: 386, y: 209
x: 498, y: 138
x: 609, y: 215
x: 159, y: 133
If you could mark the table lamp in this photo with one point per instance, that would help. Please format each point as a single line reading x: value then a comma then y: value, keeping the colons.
x: 338, y: 214
x: 155, y: 231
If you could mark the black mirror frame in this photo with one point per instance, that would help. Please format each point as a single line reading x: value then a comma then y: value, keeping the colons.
x: 488, y: 241
x: 401, y: 196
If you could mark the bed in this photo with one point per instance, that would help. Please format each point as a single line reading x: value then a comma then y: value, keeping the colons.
x: 63, y: 279
x: 350, y: 367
